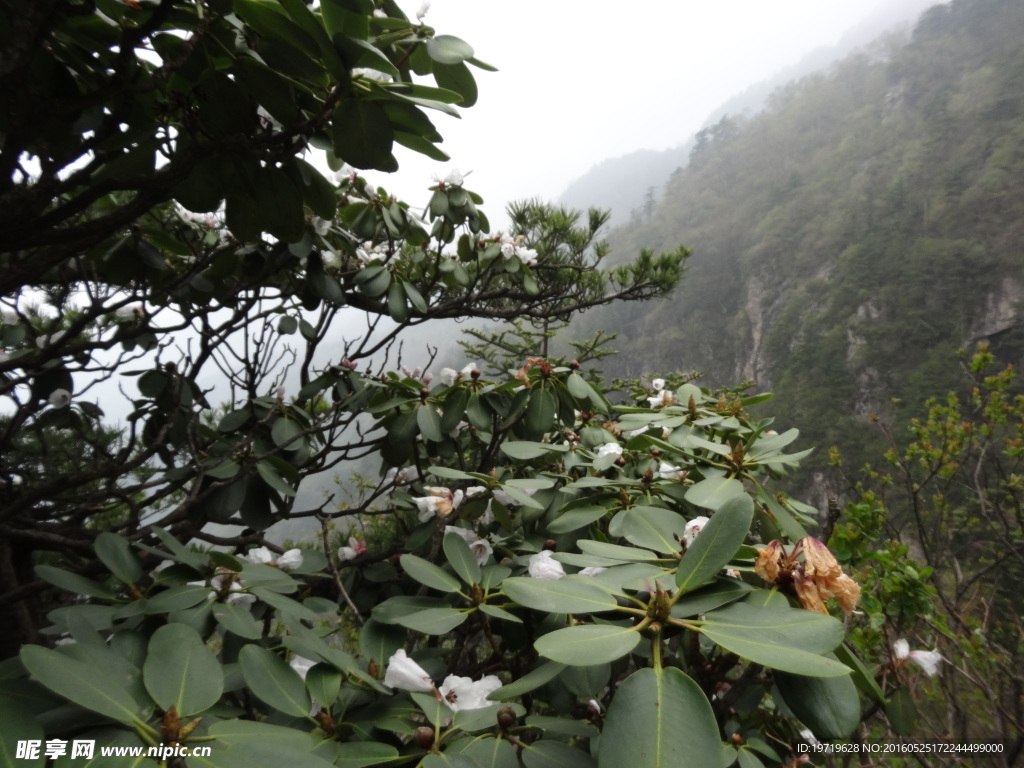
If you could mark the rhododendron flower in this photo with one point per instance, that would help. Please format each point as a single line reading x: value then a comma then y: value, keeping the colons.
x: 462, y: 693
x: 544, y: 566
x: 658, y: 384
x: 235, y: 595
x: 441, y: 501
x: 481, y: 548
x: 609, y: 449
x: 354, y: 549
x: 59, y: 398
x: 664, y: 397
x: 693, y: 528
x: 815, y: 580
x: 263, y: 556
x: 926, y: 660
x: 406, y: 675
x: 668, y: 472
x: 301, y: 665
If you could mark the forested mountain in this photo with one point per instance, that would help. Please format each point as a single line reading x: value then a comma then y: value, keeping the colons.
x: 853, y: 235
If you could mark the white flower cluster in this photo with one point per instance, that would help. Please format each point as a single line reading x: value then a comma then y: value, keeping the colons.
x: 368, y: 253
x: 926, y: 660
x: 544, y: 566
x: 457, y: 692
x: 288, y: 561
x: 449, y: 375
x: 512, y: 247
x: 481, y: 548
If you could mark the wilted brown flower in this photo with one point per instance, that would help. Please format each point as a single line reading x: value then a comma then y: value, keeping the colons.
x: 814, y: 580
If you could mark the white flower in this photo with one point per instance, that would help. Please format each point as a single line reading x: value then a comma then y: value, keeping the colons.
x: 544, y: 566
x: 635, y: 432
x: 481, y: 548
x: 129, y: 312
x: 693, y: 528
x: 454, y: 177
x: 59, y: 398
x: 664, y: 397
x: 609, y: 449
x: 441, y: 501
x: 658, y: 384
x: 402, y: 476
x: 926, y: 660
x: 379, y: 14
x: 469, y: 370
x: 320, y: 226
x: 353, y: 550
x: 406, y: 675
x: 475, y: 490
x: 592, y: 570
x: 290, y: 560
x: 330, y: 260
x: 449, y: 376
x: 422, y: 12
x: 462, y: 693
x: 263, y: 556
x: 301, y: 665
x: 668, y: 472
x: 527, y: 256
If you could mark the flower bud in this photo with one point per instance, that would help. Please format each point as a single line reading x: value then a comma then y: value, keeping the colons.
x: 424, y: 737
x: 506, y: 718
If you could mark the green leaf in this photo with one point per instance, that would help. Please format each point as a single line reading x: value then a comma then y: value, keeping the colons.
x: 359, y: 754
x: 429, y: 574
x: 379, y: 641
x: 491, y: 753
x: 716, y: 594
x: 531, y: 681
x: 363, y: 136
x: 285, y: 431
x: 87, y: 685
x: 714, y: 492
x: 273, y: 681
x: 72, y: 582
x: 270, y: 476
x: 829, y: 706
x: 429, y: 422
x: 237, y: 619
x: 644, y: 721
x: 116, y: 553
x: 448, y: 49
x: 615, y: 551
x: 548, y: 753
x: 576, y: 518
x: 572, y: 594
x: 587, y: 644
x: 434, y: 621
x: 716, y: 544
x: 461, y: 558
x: 18, y: 725
x: 458, y: 78
x: 180, y: 670
x: 524, y: 450
x: 176, y: 598
x: 655, y: 528
x: 285, y: 605
x: 397, y: 308
x: 787, y: 639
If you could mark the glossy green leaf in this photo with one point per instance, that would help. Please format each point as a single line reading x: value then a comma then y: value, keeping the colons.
x: 829, y: 706
x: 654, y: 528
x: 285, y: 431
x: 448, y: 49
x: 72, y: 582
x: 548, y: 753
x: 429, y: 422
x: 18, y: 725
x: 116, y: 553
x: 271, y: 477
x: 659, y: 718
x: 576, y: 518
x: 434, y: 621
x: 531, y: 681
x: 788, y: 639
x: 85, y: 684
x: 177, y: 598
x: 379, y: 641
x: 716, y: 544
x: 273, y: 681
x: 360, y: 754
x: 492, y: 753
x: 572, y: 594
x: 720, y: 592
x: 524, y: 450
x: 615, y: 551
x: 587, y: 644
x: 363, y: 136
x: 713, y: 492
x: 237, y: 619
x: 429, y: 574
x: 181, y: 671
x: 461, y: 558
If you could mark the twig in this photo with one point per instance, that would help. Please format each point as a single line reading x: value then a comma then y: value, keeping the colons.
x: 334, y: 571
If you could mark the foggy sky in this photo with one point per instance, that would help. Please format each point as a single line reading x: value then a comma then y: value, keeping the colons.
x: 584, y: 80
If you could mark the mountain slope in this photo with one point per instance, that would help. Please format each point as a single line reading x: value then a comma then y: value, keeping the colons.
x: 853, y: 235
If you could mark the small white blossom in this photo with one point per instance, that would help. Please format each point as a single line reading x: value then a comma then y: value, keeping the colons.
x: 354, y: 549
x: 59, y: 398
x: 406, y: 675
x: 664, y: 397
x: 330, y: 260
x: 402, y: 476
x: 129, y: 312
x: 290, y: 560
x: 379, y: 14
x: 462, y: 693
x: 260, y: 555
x: 927, y: 660
x: 693, y: 528
x: 544, y: 566
x: 301, y: 665
x: 610, y: 449
x: 449, y: 376
x: 422, y: 12
x: 454, y: 177
x: 481, y: 548
x: 320, y: 226
x: 668, y: 472
x: 441, y: 501
x: 658, y: 384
